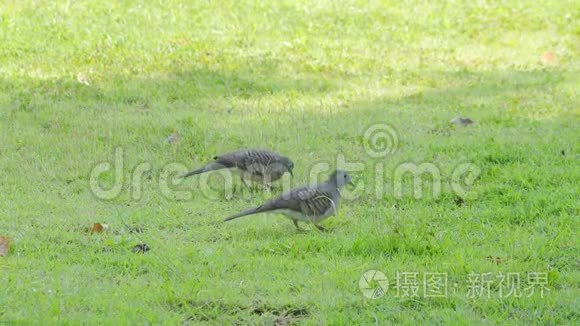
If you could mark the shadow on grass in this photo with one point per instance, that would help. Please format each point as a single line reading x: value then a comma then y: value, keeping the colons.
x: 171, y: 87
x: 199, y: 89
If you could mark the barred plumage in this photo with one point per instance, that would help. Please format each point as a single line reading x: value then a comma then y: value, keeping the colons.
x: 309, y: 204
x: 254, y: 164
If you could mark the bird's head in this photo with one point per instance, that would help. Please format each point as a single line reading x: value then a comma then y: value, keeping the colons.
x: 341, y: 178
x: 288, y: 164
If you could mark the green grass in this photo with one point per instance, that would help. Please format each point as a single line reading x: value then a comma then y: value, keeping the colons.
x: 305, y: 79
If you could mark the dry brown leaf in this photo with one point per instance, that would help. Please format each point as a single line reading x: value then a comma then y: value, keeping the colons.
x: 4, y: 246
x: 549, y: 58
x: 496, y: 260
x: 99, y: 227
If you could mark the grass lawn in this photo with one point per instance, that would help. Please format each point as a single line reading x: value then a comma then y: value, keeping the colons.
x: 80, y: 80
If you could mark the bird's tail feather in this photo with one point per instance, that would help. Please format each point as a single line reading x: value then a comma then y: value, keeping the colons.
x: 250, y: 211
x: 207, y: 168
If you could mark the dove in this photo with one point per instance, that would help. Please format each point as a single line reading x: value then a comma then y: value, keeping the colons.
x: 257, y: 165
x: 312, y: 203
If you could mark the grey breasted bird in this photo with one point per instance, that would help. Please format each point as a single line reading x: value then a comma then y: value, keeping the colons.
x: 306, y: 204
x: 252, y: 164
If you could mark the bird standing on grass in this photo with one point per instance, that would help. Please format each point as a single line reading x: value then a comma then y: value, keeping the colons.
x: 253, y: 164
x: 306, y: 204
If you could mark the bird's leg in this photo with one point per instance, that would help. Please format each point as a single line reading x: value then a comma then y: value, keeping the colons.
x: 251, y: 186
x: 235, y: 188
x: 297, y: 226
x: 322, y: 229
x: 265, y: 182
x: 275, y: 186
x: 268, y: 187
x: 245, y: 182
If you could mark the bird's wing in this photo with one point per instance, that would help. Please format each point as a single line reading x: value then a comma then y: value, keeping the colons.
x: 252, y: 160
x: 309, y: 201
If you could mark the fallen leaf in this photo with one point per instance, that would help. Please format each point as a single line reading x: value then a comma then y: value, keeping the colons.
x: 99, y: 227
x: 4, y: 246
x: 496, y: 260
x: 549, y: 58
x: 141, y: 248
x: 82, y: 79
x: 461, y: 121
